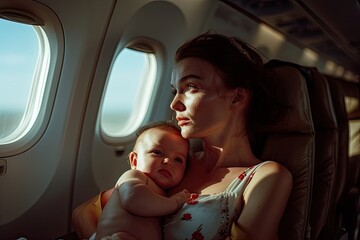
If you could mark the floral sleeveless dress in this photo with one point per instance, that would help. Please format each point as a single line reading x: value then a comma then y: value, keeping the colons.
x: 209, y: 217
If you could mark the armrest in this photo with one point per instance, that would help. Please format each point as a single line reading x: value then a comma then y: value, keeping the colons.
x: 333, y: 233
x: 69, y: 236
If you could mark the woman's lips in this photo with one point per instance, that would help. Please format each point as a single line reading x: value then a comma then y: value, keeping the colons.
x: 182, y: 121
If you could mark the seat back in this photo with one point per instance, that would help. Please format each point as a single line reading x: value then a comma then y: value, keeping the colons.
x: 326, y: 145
x: 290, y: 141
x: 337, y: 96
x: 343, y: 181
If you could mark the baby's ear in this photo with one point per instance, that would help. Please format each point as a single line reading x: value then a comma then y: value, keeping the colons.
x: 133, y: 159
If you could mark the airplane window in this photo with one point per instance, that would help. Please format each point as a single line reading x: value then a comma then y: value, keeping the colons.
x: 128, y: 93
x: 354, y: 137
x: 352, y: 105
x: 24, y: 62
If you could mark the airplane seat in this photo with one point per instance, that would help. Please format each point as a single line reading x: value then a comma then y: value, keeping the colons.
x: 290, y: 141
x: 347, y: 200
x: 326, y: 144
x: 328, y: 170
x: 338, y: 100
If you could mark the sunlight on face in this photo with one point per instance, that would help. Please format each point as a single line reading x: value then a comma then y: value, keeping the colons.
x: 201, y: 99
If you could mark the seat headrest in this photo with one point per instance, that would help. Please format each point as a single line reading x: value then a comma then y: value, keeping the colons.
x: 288, y: 87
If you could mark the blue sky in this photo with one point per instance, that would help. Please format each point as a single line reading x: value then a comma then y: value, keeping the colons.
x: 18, y: 56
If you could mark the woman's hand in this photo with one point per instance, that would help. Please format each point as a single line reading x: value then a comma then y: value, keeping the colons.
x: 85, y: 217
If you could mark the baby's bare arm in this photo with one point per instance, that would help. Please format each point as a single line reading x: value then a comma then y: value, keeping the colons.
x: 181, y: 198
x: 141, y: 200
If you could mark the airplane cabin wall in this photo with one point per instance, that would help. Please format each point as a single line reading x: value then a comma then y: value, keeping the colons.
x: 37, y: 188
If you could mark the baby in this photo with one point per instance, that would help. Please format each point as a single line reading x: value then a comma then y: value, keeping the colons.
x: 135, y: 208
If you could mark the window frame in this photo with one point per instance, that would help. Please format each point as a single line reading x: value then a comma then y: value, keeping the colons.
x: 36, y: 90
x: 36, y: 14
x: 148, y: 46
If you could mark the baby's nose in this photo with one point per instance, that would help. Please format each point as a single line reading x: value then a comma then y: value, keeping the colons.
x: 167, y: 161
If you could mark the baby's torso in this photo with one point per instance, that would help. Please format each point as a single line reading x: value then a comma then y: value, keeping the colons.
x: 115, y: 219
x: 210, y: 216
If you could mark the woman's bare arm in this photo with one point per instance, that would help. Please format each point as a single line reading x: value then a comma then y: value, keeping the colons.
x: 265, y: 199
x: 85, y: 217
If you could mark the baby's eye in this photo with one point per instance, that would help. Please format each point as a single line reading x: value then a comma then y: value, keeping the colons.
x: 173, y: 91
x: 157, y: 152
x: 179, y: 160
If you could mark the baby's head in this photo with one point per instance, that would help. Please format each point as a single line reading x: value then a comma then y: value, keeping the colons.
x: 161, y: 153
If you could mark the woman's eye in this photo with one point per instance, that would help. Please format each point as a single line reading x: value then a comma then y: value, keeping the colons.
x: 157, y: 152
x: 173, y: 91
x: 191, y: 87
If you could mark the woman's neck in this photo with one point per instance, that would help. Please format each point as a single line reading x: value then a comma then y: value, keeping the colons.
x: 231, y: 152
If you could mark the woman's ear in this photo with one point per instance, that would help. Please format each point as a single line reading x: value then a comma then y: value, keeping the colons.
x: 241, y: 98
x: 133, y: 159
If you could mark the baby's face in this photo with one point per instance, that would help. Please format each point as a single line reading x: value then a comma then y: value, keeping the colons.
x: 162, y: 156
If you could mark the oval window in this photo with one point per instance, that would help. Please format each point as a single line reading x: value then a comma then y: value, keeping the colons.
x: 128, y: 93
x: 24, y: 65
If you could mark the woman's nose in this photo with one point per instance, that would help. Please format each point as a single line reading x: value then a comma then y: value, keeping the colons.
x: 176, y: 104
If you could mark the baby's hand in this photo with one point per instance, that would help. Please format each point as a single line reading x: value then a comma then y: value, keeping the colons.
x: 181, y: 198
x: 119, y: 236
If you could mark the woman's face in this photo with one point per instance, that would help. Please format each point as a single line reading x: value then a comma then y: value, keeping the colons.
x: 201, y: 102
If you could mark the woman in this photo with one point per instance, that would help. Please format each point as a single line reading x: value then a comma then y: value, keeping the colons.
x: 219, y: 98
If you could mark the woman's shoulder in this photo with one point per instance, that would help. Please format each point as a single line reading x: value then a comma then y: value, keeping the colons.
x: 269, y: 178
x: 265, y: 167
x: 274, y: 170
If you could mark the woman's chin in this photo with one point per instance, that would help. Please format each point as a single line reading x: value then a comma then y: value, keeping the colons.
x: 185, y: 133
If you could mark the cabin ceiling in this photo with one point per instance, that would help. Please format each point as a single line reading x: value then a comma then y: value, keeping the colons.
x: 329, y: 27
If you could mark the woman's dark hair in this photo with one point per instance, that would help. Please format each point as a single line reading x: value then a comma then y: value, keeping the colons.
x: 239, y: 65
